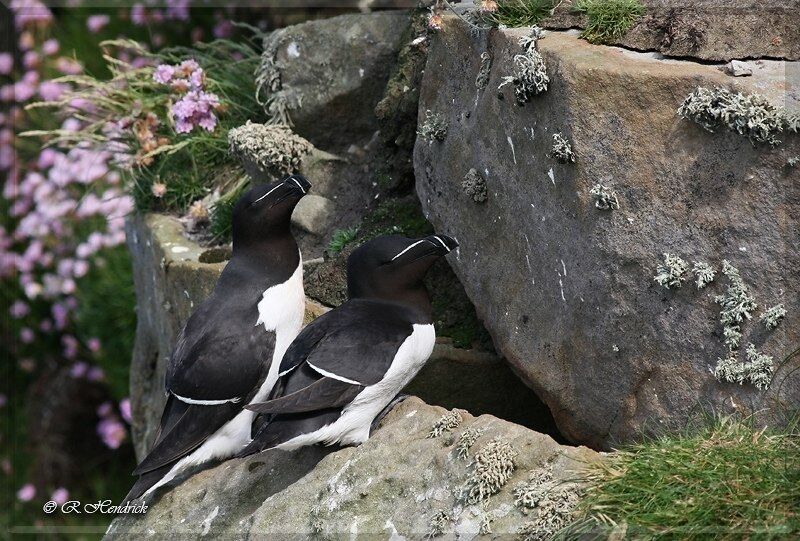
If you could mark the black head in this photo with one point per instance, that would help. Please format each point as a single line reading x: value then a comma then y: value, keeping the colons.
x: 265, y: 211
x: 393, y: 268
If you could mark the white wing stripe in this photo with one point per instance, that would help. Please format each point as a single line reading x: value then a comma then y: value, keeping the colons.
x: 332, y: 375
x: 205, y: 402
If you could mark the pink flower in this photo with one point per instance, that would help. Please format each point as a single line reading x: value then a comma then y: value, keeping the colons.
x: 6, y: 63
x: 104, y: 410
x: 93, y: 343
x: 30, y: 60
x: 138, y: 15
x: 96, y: 374
x: 52, y: 91
x: 19, y: 310
x: 50, y: 47
x: 60, y: 495
x: 163, y: 74
x: 78, y: 370
x: 112, y: 432
x: 60, y: 315
x: 196, y: 108
x: 178, y: 10
x: 26, y: 335
x: 80, y: 269
x: 26, y: 493
x: 95, y: 23
x: 159, y: 189
x: 223, y: 29
x: 125, y: 410
x: 30, y: 12
x: 68, y: 66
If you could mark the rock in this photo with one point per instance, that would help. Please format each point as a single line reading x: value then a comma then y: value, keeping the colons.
x: 330, y: 98
x: 737, y: 68
x: 566, y: 289
x: 712, y: 30
x: 391, y: 486
x: 170, y: 282
x: 313, y: 214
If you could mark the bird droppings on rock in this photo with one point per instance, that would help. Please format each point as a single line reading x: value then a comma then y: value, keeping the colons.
x: 274, y: 150
x: 772, y: 317
x: 671, y: 273
x: 605, y: 197
x: 475, y: 186
x: 704, y: 272
x: 752, y: 116
x: 466, y: 441
x: 434, y: 128
x: 530, y: 72
x: 562, y: 150
x: 447, y: 422
x: 493, y: 466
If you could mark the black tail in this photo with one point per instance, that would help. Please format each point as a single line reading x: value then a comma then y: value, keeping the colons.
x: 282, y: 428
x: 145, y: 481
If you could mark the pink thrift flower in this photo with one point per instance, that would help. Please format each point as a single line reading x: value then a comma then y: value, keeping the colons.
x: 178, y: 10
x: 30, y: 12
x: 93, y: 344
x: 60, y: 495
x: 30, y: 60
x: 96, y: 374
x: 68, y: 66
x: 19, y: 309
x: 78, y: 370
x: 112, y: 432
x: 138, y: 15
x: 6, y: 63
x: 80, y: 269
x: 52, y: 91
x: 50, y: 47
x: 163, y: 73
x: 26, y: 493
x: 159, y: 189
x: 96, y: 23
x: 60, y: 315
x: 26, y: 335
x: 223, y: 29
x: 104, y: 410
x: 125, y: 410
x: 46, y: 325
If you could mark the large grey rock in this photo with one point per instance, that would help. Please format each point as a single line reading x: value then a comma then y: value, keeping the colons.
x: 328, y: 75
x: 388, y: 487
x: 171, y: 281
x: 313, y: 214
x: 715, y: 30
x: 566, y: 289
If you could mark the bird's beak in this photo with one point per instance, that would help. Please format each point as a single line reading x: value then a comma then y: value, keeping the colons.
x: 298, y: 182
x: 444, y: 244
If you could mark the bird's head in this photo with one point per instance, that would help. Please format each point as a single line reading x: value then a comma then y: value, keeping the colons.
x: 393, y: 267
x: 265, y: 211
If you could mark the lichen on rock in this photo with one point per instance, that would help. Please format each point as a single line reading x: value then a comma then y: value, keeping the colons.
x: 605, y: 197
x: 737, y: 305
x: 752, y: 116
x: 447, y: 422
x: 772, y: 316
x: 434, y: 128
x: 492, y: 468
x: 475, y: 186
x: 553, y: 501
x: 757, y: 369
x: 482, y: 79
x: 437, y: 525
x: 530, y: 72
x: 704, y: 272
x: 672, y: 272
x: 466, y: 441
x: 274, y: 148
x: 562, y: 150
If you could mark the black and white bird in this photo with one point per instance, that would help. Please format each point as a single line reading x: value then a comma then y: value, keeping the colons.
x: 229, y: 352
x: 347, y: 366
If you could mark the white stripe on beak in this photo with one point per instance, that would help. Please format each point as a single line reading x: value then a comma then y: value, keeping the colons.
x: 266, y: 194
x: 442, y: 243
x: 407, y: 249
x: 299, y: 185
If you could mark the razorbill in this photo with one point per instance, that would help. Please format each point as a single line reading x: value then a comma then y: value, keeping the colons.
x: 229, y: 352
x: 344, y: 368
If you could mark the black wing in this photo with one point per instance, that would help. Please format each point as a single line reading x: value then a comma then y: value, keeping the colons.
x: 217, y: 367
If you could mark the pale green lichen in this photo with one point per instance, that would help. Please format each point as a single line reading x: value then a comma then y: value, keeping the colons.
x: 482, y: 79
x: 485, y: 527
x: 772, y: 317
x: 737, y: 305
x: 466, y: 441
x: 530, y: 72
x: 446, y: 423
x: 274, y: 149
x: 752, y: 116
x: 562, y: 150
x: 553, y: 502
x: 492, y: 468
x: 672, y: 272
x: 604, y: 197
x: 704, y: 272
x: 438, y: 523
x: 434, y: 128
x: 270, y: 94
x: 793, y: 161
x: 475, y: 186
x: 757, y: 369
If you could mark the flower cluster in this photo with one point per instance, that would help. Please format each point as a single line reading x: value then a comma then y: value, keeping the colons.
x: 196, y: 108
x: 110, y: 428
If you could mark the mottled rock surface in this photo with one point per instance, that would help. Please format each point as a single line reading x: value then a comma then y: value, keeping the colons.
x: 390, y: 486
x: 567, y: 289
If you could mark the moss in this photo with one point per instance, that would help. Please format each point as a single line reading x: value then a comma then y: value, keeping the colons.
x: 492, y: 468
x: 752, y: 116
x: 530, y: 72
x: 773, y: 316
x: 562, y: 150
x: 608, y: 20
x: 605, y: 197
x: 446, y: 423
x: 475, y: 186
x: 672, y: 272
x: 704, y: 272
x: 434, y: 128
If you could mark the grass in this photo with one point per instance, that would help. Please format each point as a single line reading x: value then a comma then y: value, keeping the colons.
x: 516, y: 13
x: 608, y: 20
x: 730, y: 480
x: 341, y: 238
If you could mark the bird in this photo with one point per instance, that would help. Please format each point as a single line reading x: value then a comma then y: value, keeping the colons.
x: 229, y: 351
x: 347, y: 366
